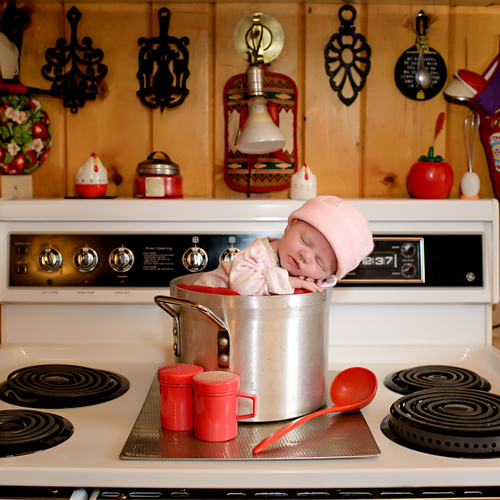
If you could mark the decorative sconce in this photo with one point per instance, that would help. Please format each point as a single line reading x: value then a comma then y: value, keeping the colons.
x: 258, y: 133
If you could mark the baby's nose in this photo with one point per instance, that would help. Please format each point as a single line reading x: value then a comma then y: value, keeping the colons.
x: 304, y: 254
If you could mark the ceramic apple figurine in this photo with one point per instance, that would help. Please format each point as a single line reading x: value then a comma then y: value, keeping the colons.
x: 430, y: 178
x: 91, y: 178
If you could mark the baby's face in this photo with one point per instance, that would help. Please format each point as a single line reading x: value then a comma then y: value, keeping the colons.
x: 304, y: 251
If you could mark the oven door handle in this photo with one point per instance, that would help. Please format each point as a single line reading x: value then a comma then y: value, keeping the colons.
x: 223, y: 337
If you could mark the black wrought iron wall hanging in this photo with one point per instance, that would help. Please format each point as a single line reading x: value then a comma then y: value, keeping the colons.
x: 163, y: 67
x: 78, y: 83
x: 347, y: 58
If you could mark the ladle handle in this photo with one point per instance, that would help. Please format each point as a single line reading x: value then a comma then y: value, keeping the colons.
x: 279, y: 433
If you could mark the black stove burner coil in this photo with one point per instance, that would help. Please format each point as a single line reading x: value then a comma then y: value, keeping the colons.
x: 27, y: 431
x: 455, y: 423
x: 434, y: 376
x: 61, y: 386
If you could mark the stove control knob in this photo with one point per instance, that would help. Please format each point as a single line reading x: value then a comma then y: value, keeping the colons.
x: 86, y: 259
x: 408, y: 270
x: 408, y: 250
x: 50, y: 259
x: 121, y: 259
x: 195, y: 259
x: 228, y: 254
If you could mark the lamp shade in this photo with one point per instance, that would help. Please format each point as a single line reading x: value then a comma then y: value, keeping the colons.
x: 259, y: 135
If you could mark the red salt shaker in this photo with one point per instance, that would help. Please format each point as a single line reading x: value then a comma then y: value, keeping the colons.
x: 215, y: 405
x: 176, y: 396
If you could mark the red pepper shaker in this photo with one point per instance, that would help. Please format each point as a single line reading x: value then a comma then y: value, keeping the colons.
x: 176, y: 396
x: 215, y: 405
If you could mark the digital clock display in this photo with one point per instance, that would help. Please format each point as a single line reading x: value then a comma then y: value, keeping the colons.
x: 380, y: 261
x: 393, y: 260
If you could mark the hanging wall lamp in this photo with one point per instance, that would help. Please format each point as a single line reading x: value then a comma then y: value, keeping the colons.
x: 258, y: 134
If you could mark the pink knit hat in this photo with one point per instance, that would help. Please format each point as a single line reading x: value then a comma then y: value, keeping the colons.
x: 344, y: 227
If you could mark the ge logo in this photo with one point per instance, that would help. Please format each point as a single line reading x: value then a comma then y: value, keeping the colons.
x: 470, y: 277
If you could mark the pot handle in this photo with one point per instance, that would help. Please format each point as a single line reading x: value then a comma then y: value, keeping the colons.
x: 223, y: 337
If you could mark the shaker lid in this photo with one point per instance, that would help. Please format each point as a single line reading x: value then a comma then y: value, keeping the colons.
x: 179, y: 373
x: 214, y: 382
x: 159, y: 166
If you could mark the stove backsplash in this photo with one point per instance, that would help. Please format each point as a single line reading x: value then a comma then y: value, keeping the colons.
x: 47, y: 271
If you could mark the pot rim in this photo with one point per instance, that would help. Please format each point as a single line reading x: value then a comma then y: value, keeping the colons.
x: 299, y: 298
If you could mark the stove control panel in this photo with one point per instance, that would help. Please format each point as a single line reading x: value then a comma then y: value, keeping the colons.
x: 152, y: 260
x: 125, y: 260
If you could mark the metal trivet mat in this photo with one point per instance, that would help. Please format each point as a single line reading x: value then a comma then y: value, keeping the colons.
x: 344, y: 435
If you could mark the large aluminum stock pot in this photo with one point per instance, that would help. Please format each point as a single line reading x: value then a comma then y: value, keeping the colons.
x: 278, y: 345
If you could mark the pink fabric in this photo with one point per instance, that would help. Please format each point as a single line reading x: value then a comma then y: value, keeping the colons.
x: 253, y: 271
x: 208, y: 289
x: 343, y: 225
x: 224, y: 291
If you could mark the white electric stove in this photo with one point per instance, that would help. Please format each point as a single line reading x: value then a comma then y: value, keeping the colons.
x: 77, y: 285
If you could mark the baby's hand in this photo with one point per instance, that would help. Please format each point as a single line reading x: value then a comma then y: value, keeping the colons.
x: 318, y: 282
x: 302, y: 282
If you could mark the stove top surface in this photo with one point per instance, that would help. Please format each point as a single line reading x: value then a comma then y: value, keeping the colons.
x: 91, y: 456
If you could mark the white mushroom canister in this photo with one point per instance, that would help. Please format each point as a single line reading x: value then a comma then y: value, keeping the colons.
x: 303, y: 184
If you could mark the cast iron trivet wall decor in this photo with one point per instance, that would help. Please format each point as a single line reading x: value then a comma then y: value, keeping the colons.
x: 264, y: 172
x: 347, y: 77
x: 79, y: 82
x: 163, y: 67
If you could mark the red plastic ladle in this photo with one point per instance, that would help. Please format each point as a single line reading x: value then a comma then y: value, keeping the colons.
x: 351, y: 390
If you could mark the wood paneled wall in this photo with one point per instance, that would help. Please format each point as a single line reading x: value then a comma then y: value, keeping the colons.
x: 364, y: 150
